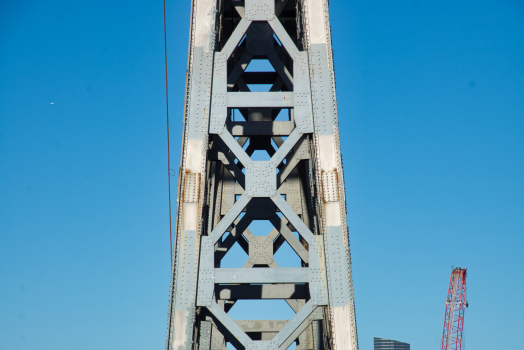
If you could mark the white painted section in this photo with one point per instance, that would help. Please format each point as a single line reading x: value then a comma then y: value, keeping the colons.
x: 203, y: 21
x: 342, y: 328
x: 179, y: 330
x: 316, y: 20
x: 194, y: 161
x: 204, y: 12
x: 327, y: 155
x: 190, y: 216
x: 194, y: 156
x: 333, y: 214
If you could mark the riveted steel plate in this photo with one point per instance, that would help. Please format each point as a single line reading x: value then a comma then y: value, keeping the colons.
x: 339, y: 286
x: 330, y: 186
x: 206, y: 273
x: 324, y: 109
x: 262, y: 345
x: 191, y: 188
x: 219, y: 96
x: 205, y: 335
x: 261, y: 179
x: 260, y: 10
x: 186, y: 279
x: 261, y: 250
x: 302, y: 91
x: 200, y: 94
x: 317, y: 273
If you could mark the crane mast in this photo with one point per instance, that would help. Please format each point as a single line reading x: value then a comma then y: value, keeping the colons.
x: 455, y: 306
x: 289, y: 113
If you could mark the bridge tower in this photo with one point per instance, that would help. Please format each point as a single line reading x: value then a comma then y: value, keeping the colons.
x: 261, y: 147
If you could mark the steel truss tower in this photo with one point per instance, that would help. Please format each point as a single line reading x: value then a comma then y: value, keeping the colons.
x: 224, y: 188
x: 455, y: 306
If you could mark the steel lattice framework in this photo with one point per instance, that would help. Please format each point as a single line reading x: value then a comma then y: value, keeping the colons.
x: 299, y: 188
x: 455, y: 306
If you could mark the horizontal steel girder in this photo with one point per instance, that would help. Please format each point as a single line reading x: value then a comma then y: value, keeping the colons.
x: 262, y: 291
x: 262, y: 275
x: 260, y: 100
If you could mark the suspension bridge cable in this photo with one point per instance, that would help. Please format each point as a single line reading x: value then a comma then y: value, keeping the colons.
x: 168, y: 154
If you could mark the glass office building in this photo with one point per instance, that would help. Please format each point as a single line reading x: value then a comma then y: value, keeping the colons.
x: 388, y: 344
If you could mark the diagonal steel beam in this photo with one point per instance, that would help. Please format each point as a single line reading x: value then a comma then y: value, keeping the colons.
x: 233, y: 145
x: 228, y: 219
x: 296, y: 245
x: 230, y: 325
x: 285, y: 335
x: 295, y: 220
x: 286, y: 147
x: 281, y: 69
x: 235, y: 38
x: 284, y: 38
x: 241, y: 225
x: 291, y: 163
x: 229, y: 163
x: 240, y: 67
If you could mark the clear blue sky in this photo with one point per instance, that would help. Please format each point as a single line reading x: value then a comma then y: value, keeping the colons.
x: 431, y: 110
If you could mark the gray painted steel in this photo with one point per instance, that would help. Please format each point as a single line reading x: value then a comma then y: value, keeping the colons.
x: 338, y: 265
x: 288, y: 111
x: 281, y: 275
x: 205, y: 335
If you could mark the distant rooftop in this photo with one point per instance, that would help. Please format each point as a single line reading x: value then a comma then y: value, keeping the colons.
x: 388, y: 344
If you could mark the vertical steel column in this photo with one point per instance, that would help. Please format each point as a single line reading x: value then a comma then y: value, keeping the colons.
x: 329, y: 171
x: 224, y: 187
x: 192, y: 177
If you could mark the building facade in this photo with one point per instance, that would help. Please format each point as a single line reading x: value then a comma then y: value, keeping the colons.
x: 388, y: 344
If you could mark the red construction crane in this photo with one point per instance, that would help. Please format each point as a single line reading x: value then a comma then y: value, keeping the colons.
x: 455, y: 306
